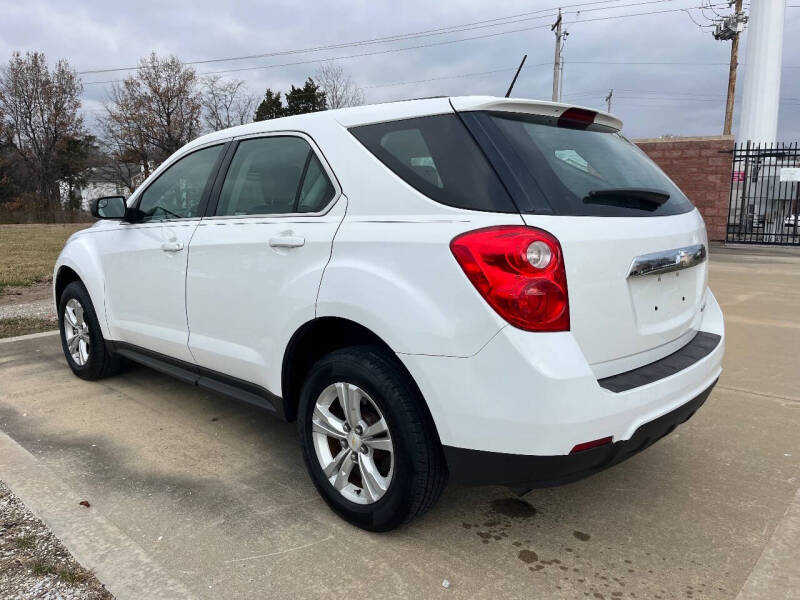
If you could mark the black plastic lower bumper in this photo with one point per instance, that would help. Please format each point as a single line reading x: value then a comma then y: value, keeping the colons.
x: 477, y: 467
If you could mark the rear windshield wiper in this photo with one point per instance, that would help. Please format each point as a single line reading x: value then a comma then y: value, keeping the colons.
x: 651, y: 195
x: 645, y: 198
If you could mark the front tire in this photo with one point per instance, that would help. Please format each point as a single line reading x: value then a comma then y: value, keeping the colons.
x: 368, y: 440
x: 81, y: 338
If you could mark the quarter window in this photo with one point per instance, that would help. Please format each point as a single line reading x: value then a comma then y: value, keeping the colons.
x: 274, y: 175
x: 317, y: 189
x: 178, y: 191
x: 437, y: 156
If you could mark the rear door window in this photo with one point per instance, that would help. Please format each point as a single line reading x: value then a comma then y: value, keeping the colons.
x: 438, y: 157
x: 274, y: 175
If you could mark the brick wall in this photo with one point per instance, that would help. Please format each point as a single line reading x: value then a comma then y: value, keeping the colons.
x: 699, y: 167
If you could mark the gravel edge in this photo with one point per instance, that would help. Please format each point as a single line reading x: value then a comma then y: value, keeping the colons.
x: 34, y: 564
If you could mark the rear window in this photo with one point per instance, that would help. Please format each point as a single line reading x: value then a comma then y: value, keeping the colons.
x: 437, y: 156
x: 587, y: 172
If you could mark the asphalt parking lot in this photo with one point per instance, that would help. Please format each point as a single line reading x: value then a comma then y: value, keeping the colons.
x: 195, y: 495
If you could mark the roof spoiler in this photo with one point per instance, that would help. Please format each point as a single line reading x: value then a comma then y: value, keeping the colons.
x: 536, y: 107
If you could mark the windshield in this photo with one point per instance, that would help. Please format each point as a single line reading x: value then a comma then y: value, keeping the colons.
x: 588, y: 173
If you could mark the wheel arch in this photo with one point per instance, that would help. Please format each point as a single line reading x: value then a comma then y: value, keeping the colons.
x: 64, y: 277
x: 319, y: 337
x: 78, y: 261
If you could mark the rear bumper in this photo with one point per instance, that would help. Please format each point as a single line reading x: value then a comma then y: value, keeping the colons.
x: 534, y: 394
x: 475, y: 467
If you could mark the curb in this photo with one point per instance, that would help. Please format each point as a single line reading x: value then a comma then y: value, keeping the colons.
x: 30, y: 336
x: 97, y: 544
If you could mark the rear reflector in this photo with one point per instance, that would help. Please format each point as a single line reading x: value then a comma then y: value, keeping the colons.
x: 576, y: 118
x: 592, y: 444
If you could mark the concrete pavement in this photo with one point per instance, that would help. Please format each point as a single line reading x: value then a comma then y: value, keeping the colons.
x: 194, y: 494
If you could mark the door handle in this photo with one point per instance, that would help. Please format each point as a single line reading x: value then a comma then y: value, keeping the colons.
x: 172, y: 246
x: 287, y: 241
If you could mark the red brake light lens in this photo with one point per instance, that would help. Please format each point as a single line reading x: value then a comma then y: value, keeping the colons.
x: 520, y: 272
x: 576, y: 118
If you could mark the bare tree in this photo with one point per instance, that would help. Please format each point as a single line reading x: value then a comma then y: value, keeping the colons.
x: 121, y: 165
x: 39, y: 110
x: 153, y: 112
x: 225, y: 103
x: 340, y: 89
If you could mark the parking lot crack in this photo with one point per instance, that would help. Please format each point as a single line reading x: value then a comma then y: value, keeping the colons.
x: 755, y: 393
x: 256, y: 557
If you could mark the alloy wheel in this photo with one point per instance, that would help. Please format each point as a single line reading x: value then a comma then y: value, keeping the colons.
x: 76, y: 332
x: 352, y: 443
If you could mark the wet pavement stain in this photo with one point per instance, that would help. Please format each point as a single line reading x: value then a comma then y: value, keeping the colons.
x: 513, y: 507
x: 502, y: 518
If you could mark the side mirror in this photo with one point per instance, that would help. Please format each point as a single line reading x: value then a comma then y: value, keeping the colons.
x: 108, y: 207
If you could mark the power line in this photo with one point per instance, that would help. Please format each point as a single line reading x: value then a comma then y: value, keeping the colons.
x: 462, y: 76
x: 667, y: 96
x: 688, y: 64
x: 509, y: 19
x: 529, y: 66
x: 712, y: 10
x: 689, y: 14
x: 428, y: 45
x: 573, y: 62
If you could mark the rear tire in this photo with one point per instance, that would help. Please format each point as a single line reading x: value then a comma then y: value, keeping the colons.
x: 81, y: 338
x: 412, y: 472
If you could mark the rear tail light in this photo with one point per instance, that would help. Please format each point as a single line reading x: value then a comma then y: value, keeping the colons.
x: 520, y: 272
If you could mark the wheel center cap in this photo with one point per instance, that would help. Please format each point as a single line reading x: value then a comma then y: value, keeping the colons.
x: 354, y: 441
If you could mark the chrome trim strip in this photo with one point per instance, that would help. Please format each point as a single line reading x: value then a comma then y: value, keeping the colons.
x: 667, y: 261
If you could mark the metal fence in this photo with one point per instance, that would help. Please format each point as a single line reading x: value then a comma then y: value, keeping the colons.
x: 765, y: 195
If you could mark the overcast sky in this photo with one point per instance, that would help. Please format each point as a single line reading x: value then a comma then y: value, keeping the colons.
x: 652, y: 99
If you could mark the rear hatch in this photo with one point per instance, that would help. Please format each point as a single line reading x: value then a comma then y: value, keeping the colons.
x: 614, y: 315
x: 616, y: 215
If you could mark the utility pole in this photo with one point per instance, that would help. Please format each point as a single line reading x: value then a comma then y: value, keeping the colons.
x: 556, y: 28
x: 608, y: 99
x: 729, y: 28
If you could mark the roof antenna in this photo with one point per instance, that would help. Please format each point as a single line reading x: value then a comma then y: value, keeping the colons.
x: 513, y: 81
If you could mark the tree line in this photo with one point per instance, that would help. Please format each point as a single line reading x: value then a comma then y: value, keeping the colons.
x: 48, y: 154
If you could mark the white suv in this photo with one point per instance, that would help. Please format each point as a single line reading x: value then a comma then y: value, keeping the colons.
x: 493, y: 290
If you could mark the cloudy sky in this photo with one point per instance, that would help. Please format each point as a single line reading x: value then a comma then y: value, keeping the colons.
x: 607, y: 48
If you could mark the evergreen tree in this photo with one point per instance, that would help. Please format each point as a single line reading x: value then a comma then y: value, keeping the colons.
x: 309, y: 98
x: 306, y: 99
x: 271, y: 107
